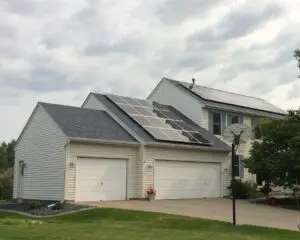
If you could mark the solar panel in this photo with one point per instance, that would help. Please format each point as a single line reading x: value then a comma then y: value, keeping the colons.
x: 232, y: 98
x: 158, y: 120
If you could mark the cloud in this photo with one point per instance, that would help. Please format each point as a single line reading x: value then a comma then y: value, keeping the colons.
x: 129, y: 45
x: 60, y: 50
x: 239, y: 22
x: 177, y: 11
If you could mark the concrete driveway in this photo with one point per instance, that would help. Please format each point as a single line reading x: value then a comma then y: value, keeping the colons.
x: 216, y: 209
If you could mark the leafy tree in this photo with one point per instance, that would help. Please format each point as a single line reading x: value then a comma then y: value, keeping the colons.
x: 7, y: 155
x: 276, y: 157
x: 6, y: 162
x: 297, y: 56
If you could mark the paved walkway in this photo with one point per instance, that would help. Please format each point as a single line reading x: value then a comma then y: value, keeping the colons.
x: 216, y: 209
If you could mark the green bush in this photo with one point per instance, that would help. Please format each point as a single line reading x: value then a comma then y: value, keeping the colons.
x: 245, y: 190
x: 34, y: 204
x: 6, y: 189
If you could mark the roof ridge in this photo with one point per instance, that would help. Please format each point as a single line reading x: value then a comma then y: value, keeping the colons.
x: 118, y: 95
x: 218, y: 90
x: 63, y: 105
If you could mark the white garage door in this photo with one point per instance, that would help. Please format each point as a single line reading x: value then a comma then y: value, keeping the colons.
x: 100, y: 179
x: 174, y: 180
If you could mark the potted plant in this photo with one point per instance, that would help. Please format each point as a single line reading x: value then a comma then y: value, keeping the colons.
x: 151, y: 192
x: 265, y: 190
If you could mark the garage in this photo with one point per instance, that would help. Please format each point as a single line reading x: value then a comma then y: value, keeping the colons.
x: 182, y: 179
x: 100, y: 179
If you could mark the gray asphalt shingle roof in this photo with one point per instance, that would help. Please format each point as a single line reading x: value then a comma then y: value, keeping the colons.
x: 86, y: 123
x: 215, y: 95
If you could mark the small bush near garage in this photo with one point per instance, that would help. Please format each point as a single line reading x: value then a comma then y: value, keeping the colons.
x: 6, y: 189
x: 34, y: 204
x: 245, y: 190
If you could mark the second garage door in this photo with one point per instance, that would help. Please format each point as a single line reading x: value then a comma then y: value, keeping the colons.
x: 100, y: 179
x: 175, y: 180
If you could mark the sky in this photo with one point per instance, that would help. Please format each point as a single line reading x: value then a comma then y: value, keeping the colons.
x: 60, y: 50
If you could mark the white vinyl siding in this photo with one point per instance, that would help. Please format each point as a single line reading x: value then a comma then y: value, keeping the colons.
x: 247, y: 121
x: 205, y: 118
x: 153, y: 154
x: 41, y: 147
x: 93, y: 103
x: 88, y: 150
x: 169, y: 94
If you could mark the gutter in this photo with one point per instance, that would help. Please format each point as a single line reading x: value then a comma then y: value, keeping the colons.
x: 170, y: 145
x: 106, y: 142
x: 149, y: 144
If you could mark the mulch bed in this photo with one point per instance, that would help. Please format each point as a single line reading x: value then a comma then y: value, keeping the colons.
x: 44, y: 210
x: 288, y: 203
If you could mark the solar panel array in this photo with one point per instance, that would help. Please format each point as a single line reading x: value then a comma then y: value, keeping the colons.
x: 233, y: 98
x: 159, y: 120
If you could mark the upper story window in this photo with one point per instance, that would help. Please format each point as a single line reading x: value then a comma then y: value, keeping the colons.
x: 232, y: 119
x: 216, y: 123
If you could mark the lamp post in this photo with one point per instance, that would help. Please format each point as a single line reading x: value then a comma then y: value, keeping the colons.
x: 234, y: 147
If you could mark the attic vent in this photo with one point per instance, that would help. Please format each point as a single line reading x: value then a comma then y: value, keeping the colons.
x: 193, y: 83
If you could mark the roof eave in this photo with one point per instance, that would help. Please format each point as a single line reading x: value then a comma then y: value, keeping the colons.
x: 105, y: 142
x: 183, y: 146
x: 246, y: 108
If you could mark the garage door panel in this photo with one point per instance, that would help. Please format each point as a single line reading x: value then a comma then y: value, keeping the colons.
x: 100, y: 179
x: 174, y: 180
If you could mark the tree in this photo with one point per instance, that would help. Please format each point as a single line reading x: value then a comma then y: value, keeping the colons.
x: 297, y: 56
x: 276, y: 157
x: 7, y: 155
x: 6, y: 163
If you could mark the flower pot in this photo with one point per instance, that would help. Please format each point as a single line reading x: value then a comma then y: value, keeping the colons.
x: 151, y: 197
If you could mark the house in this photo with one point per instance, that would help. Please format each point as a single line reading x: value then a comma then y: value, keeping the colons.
x: 114, y: 148
x: 214, y: 110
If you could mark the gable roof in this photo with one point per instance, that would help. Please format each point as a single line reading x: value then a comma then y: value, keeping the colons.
x: 84, y: 123
x: 223, y: 97
x: 217, y: 144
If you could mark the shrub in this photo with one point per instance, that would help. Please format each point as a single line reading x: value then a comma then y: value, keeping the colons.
x: 6, y: 188
x: 34, y: 204
x: 244, y: 190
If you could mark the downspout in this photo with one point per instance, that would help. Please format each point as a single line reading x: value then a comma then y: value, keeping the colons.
x: 141, y: 167
x: 66, y: 147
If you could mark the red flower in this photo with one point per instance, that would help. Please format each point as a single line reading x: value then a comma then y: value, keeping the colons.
x: 150, y: 190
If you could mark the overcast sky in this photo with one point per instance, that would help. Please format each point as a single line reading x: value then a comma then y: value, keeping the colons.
x: 58, y: 51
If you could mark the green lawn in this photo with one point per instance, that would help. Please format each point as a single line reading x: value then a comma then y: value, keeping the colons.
x: 130, y: 225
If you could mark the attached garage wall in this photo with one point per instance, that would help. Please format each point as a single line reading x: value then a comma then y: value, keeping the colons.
x: 88, y: 150
x: 41, y: 147
x: 153, y: 154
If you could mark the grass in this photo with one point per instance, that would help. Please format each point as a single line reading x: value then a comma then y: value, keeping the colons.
x: 108, y: 224
x: 5, y: 201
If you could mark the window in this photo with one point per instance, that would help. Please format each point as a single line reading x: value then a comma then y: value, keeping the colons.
x: 217, y: 123
x: 22, y: 166
x: 239, y: 166
x: 233, y: 119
